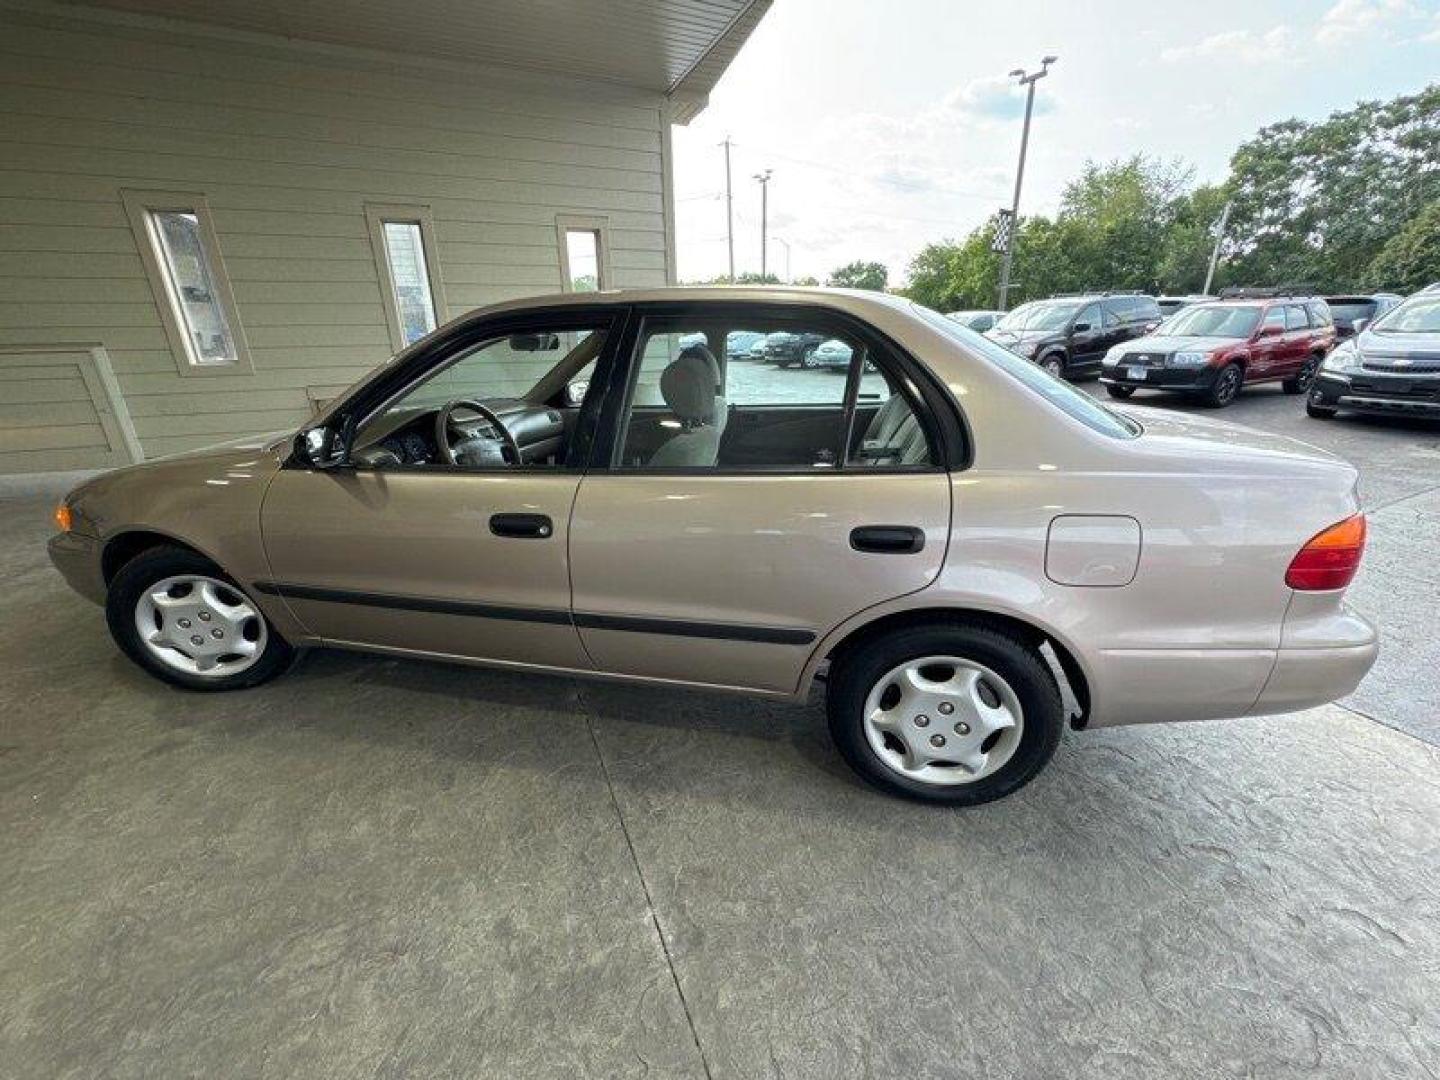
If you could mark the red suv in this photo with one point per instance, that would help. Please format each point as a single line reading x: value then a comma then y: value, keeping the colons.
x: 1212, y: 349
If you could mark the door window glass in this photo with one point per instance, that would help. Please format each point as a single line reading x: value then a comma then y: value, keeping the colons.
x: 1295, y: 318
x: 531, y: 382
x: 1089, y: 317
x: 1275, y: 317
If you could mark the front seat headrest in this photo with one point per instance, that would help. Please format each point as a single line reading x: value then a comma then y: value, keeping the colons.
x: 691, y: 385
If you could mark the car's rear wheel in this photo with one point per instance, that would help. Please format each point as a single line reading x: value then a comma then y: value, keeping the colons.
x: 946, y: 713
x: 177, y: 615
x: 1226, y: 387
x: 1301, y: 380
x: 1319, y: 412
x: 1121, y: 392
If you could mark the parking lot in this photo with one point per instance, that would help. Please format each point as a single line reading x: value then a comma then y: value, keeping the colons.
x: 380, y: 867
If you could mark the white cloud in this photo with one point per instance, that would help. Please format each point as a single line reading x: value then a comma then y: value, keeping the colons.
x: 1241, y: 46
x: 1347, y: 20
x: 994, y: 98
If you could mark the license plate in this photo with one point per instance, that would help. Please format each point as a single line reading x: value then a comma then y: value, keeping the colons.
x: 1135, y: 373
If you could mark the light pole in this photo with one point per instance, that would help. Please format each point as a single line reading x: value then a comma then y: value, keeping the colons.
x: 1028, y: 81
x: 729, y: 211
x: 1219, y: 239
x: 764, y: 178
x: 782, y: 240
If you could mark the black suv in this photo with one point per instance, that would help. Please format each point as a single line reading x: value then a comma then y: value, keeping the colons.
x: 1365, y: 308
x: 783, y: 348
x: 1069, y: 335
x: 1392, y: 366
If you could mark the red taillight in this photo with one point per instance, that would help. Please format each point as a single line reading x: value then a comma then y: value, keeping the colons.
x: 1330, y: 559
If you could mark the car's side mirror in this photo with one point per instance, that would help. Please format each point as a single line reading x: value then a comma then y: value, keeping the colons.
x: 322, y: 447
x: 1080, y: 328
x: 575, y: 392
x: 1271, y: 331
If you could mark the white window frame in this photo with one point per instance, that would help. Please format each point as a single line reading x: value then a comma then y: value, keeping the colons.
x: 139, y: 206
x: 599, y: 224
x: 376, y: 215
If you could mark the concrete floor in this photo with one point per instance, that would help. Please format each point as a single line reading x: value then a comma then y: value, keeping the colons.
x: 381, y: 868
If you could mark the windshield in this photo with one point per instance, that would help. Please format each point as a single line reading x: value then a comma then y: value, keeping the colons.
x: 1420, y: 315
x: 1350, y: 310
x: 1038, y: 315
x: 1075, y: 403
x: 1212, y: 321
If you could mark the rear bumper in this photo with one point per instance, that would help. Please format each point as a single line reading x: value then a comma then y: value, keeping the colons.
x: 1161, y: 378
x: 77, y: 557
x: 1323, y: 656
x: 1388, y: 395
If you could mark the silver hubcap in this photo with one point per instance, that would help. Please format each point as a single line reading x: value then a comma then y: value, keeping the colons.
x: 943, y: 720
x: 1054, y: 367
x: 200, y: 626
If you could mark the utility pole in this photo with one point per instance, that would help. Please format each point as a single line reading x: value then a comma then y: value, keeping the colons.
x: 729, y: 210
x: 1027, y: 81
x: 764, y: 178
x: 1215, y: 252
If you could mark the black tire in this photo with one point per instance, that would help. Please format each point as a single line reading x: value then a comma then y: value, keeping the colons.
x: 1300, y: 382
x: 1319, y: 412
x: 1226, y: 387
x: 855, y: 672
x: 1054, y: 363
x: 1120, y: 392
x: 807, y: 359
x: 154, y: 565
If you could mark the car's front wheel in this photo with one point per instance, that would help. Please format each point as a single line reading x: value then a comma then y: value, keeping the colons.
x: 1121, y: 392
x: 1319, y: 412
x: 809, y: 360
x: 1054, y: 364
x: 1226, y: 387
x: 946, y: 713
x: 178, y: 616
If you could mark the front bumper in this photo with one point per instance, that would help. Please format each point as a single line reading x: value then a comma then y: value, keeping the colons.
x: 1369, y: 392
x: 1160, y: 378
x: 77, y: 557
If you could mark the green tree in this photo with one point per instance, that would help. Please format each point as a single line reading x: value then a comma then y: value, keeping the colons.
x: 1410, y: 259
x: 1317, y: 202
x: 861, y: 275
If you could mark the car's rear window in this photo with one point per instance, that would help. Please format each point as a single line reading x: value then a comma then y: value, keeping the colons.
x: 1074, y: 403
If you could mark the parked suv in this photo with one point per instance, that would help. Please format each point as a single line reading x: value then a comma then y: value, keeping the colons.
x: 1348, y: 311
x: 784, y: 348
x: 1391, y: 366
x: 1069, y: 336
x: 1212, y: 350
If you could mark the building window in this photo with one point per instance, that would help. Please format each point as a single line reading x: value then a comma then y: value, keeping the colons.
x: 404, y: 241
x: 181, y: 254
x: 584, y: 252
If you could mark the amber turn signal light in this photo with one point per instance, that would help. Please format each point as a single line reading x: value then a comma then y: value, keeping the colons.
x: 62, y: 518
x: 1329, y: 560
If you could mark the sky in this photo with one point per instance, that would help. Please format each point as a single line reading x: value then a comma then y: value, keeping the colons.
x: 891, y: 125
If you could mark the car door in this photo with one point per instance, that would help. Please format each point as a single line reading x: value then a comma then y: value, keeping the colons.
x: 1087, y: 337
x: 463, y: 560
x: 1299, y: 339
x: 826, y: 494
x: 1268, y: 350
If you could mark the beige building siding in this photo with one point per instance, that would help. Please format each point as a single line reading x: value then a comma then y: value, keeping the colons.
x: 287, y: 143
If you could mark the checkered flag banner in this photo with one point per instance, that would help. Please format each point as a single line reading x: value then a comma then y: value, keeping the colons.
x: 1004, y: 222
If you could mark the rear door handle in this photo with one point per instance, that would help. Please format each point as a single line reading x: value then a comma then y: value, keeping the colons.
x: 522, y: 526
x: 888, y: 539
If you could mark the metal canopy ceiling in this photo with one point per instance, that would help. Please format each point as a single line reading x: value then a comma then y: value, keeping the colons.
x: 676, y: 47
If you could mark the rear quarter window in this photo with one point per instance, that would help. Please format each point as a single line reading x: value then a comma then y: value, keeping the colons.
x: 1074, y: 403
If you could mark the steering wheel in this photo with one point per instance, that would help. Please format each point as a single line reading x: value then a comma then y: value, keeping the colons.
x: 443, y: 424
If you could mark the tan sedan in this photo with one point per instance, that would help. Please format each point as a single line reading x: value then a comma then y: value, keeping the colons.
x: 941, y: 532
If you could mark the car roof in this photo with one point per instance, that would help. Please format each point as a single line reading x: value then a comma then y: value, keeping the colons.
x: 855, y: 301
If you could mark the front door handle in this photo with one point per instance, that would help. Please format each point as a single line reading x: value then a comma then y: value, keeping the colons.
x: 522, y: 526
x: 888, y: 539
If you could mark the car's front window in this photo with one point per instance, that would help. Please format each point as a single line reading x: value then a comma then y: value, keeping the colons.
x: 1212, y: 321
x: 1074, y: 403
x: 1037, y: 315
x: 1420, y: 315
